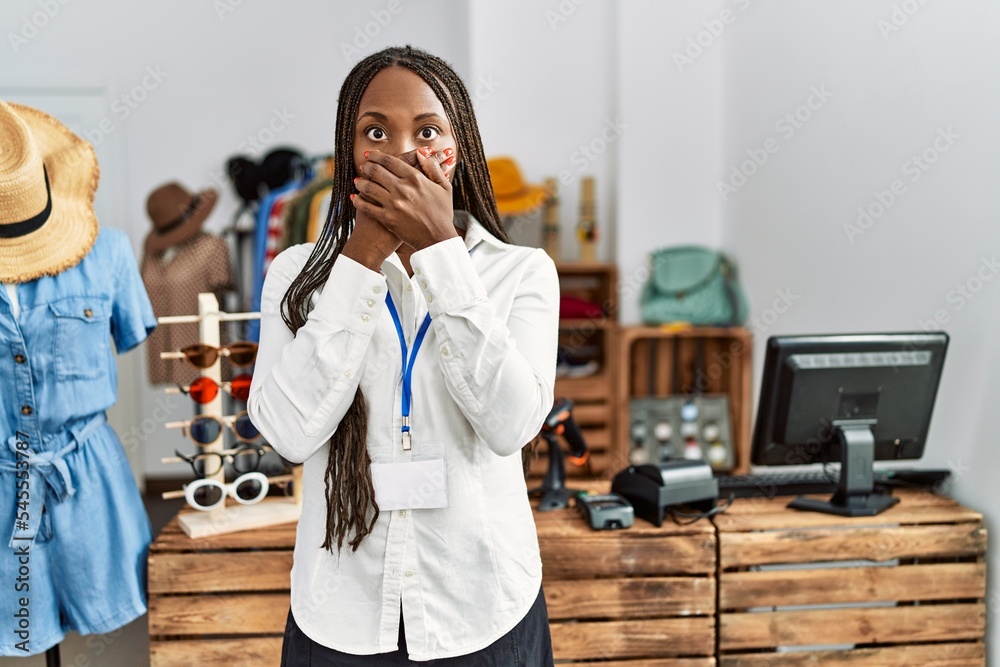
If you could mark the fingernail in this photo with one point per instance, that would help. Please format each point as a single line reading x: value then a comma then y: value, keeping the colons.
x: 448, y: 152
x: 352, y: 197
x: 450, y: 160
x: 426, y: 151
x: 366, y: 153
x: 356, y: 179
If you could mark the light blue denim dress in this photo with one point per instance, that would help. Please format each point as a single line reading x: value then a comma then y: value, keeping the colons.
x: 74, y: 534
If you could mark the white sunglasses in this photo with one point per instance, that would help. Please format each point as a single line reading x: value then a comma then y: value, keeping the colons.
x: 207, y: 494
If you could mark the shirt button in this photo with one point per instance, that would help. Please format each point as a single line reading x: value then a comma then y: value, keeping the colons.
x: 402, y: 513
x: 409, y: 573
x: 377, y: 290
x: 371, y: 304
x: 88, y: 312
x: 409, y: 288
x: 430, y: 298
x: 348, y: 374
x: 444, y: 351
x: 416, y: 271
x: 365, y: 318
x: 20, y: 358
x: 424, y: 283
x: 26, y: 410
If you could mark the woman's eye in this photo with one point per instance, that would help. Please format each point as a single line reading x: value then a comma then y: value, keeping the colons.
x: 428, y: 133
x: 375, y: 133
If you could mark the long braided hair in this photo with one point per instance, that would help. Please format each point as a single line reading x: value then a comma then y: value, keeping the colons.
x: 351, y: 510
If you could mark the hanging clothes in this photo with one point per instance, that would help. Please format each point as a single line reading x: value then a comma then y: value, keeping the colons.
x: 174, y: 279
x: 266, y: 244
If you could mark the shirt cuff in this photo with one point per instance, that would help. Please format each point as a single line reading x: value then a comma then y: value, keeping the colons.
x: 352, y: 297
x: 447, y: 277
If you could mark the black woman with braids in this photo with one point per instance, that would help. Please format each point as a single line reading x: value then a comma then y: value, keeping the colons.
x: 406, y: 358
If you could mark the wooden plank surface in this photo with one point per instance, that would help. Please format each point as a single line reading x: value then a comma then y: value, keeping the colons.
x: 245, y: 652
x: 658, y: 638
x: 923, y: 655
x: 651, y: 662
x: 237, y: 614
x: 616, y: 599
x: 944, y: 581
x: 219, y: 572
x: 624, y: 555
x: 173, y: 539
x: 899, y: 625
x: 876, y: 544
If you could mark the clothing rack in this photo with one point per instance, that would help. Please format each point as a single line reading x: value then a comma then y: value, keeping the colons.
x: 227, y: 519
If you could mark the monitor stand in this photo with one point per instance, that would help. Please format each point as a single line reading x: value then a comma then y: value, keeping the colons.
x: 857, y: 495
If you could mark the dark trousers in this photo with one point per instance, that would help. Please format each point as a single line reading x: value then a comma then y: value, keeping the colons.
x: 528, y: 644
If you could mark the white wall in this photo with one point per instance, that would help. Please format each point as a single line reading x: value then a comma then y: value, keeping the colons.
x: 221, y: 76
x: 668, y: 157
x: 890, y: 98
x: 543, y: 80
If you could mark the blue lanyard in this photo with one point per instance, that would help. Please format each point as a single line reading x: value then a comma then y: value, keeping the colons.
x: 407, y: 364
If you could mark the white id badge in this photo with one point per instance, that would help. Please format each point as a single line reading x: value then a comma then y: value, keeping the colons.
x: 410, y: 485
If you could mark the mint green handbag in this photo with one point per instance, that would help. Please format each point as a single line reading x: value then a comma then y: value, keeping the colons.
x: 692, y: 284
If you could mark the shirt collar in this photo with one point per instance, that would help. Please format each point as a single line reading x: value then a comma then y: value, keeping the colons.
x: 475, y: 234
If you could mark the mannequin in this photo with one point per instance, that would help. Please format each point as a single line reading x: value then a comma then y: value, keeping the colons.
x: 180, y: 262
x: 80, y: 533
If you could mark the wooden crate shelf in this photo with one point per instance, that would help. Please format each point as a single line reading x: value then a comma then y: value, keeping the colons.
x: 646, y: 359
x: 593, y: 395
x: 905, y: 587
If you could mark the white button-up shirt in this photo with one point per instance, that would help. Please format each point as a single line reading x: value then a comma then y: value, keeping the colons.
x: 482, y: 385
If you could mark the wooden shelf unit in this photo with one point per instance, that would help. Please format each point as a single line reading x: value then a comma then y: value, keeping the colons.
x: 727, y: 357
x: 595, y: 338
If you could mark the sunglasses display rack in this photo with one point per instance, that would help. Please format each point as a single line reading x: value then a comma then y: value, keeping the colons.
x: 224, y: 517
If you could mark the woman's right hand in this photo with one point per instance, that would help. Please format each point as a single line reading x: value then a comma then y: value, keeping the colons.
x: 370, y: 243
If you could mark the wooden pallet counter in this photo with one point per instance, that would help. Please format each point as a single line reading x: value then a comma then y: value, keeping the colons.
x: 219, y: 600
x: 905, y: 587
x: 639, y: 597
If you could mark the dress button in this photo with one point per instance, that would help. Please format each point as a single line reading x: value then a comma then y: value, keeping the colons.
x: 26, y: 410
x: 20, y: 358
x: 88, y: 313
x: 365, y: 318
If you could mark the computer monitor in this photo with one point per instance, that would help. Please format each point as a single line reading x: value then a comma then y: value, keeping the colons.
x: 850, y: 398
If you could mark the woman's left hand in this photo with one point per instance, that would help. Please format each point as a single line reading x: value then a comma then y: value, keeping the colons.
x: 415, y: 206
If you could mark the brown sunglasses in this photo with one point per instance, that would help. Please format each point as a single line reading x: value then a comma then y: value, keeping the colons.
x: 200, y: 355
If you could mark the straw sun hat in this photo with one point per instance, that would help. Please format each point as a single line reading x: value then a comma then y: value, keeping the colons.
x: 48, y: 177
x: 513, y: 195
